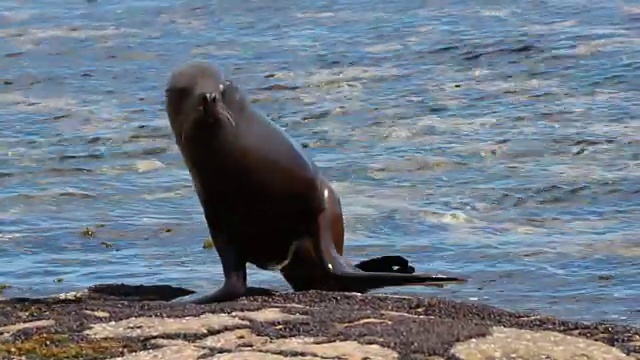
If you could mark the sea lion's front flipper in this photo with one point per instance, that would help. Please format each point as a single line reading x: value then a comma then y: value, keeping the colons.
x: 228, y: 292
x: 387, y: 263
x: 235, y: 276
x: 223, y: 294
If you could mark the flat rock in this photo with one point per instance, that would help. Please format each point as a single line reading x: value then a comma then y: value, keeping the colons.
x: 137, y: 323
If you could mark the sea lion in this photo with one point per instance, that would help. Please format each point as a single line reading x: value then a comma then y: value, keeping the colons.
x: 264, y: 200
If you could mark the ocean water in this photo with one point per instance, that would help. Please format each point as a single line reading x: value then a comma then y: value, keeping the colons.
x: 497, y: 140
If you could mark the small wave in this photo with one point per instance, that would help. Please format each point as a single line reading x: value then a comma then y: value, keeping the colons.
x: 524, y: 48
x: 341, y: 76
x: 551, y: 194
x: 315, y: 15
x: 52, y: 194
x: 10, y: 236
x: 279, y: 87
x: 81, y: 156
x: 412, y: 164
x: 144, y: 131
x: 55, y: 171
x: 148, y: 165
x: 28, y: 38
x: 145, y: 151
x: 64, y: 171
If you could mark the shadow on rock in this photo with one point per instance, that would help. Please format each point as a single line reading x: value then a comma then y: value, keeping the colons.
x: 138, y: 292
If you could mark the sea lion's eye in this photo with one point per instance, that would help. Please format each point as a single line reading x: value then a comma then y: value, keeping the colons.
x: 178, y: 94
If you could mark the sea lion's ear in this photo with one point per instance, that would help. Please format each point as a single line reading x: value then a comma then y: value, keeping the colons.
x: 224, y: 87
x: 233, y: 96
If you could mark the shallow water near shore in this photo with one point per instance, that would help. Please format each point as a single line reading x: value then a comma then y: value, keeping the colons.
x: 498, y: 140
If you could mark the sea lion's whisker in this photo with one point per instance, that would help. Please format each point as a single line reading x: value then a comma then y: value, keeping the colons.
x: 227, y: 115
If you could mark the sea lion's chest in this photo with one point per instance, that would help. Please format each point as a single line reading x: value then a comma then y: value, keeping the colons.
x: 259, y: 191
x: 250, y: 184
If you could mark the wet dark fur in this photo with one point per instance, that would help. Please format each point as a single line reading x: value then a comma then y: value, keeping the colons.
x: 264, y: 200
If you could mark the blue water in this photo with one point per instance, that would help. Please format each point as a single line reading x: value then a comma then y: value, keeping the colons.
x: 498, y: 140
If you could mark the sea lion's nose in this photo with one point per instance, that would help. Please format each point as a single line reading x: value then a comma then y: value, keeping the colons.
x: 208, y: 97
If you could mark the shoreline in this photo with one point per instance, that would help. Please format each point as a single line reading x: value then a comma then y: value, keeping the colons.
x: 117, y: 321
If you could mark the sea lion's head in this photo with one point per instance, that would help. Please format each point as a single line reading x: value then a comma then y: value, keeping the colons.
x: 194, y: 101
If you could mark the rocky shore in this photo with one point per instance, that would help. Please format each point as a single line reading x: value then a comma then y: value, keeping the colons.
x: 137, y: 323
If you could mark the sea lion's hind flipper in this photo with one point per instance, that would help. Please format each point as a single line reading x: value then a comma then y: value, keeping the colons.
x: 365, y: 281
x: 387, y: 263
x: 351, y: 278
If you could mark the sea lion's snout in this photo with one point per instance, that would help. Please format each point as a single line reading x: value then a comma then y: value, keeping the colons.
x: 207, y: 101
x: 213, y: 108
